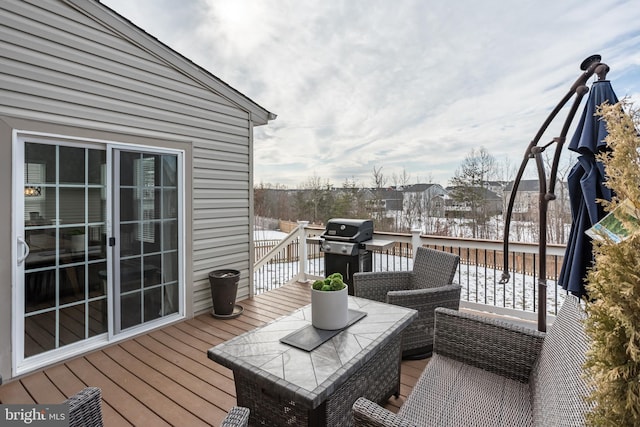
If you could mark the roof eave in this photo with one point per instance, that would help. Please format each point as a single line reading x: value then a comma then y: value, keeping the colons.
x: 174, y: 59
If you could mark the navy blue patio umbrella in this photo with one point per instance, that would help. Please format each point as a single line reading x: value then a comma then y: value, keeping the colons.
x: 586, y: 185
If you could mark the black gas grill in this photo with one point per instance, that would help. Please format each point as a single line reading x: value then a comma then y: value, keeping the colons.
x: 344, y: 245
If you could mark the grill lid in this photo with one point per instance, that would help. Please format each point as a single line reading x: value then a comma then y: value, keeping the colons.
x: 351, y: 230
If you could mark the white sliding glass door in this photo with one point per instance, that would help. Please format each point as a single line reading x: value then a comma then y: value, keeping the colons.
x: 64, y: 277
x: 146, y: 219
x: 98, y: 245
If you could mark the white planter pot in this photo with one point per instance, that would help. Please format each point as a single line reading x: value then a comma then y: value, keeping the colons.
x: 77, y: 243
x: 329, y: 309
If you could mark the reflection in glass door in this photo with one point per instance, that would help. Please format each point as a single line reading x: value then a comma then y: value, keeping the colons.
x: 65, y: 299
x: 146, y: 207
x: 97, y: 244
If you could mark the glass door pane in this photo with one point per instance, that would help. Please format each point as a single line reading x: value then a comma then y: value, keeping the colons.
x: 65, y: 299
x: 146, y: 224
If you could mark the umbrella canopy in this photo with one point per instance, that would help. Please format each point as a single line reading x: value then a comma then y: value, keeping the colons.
x: 586, y: 184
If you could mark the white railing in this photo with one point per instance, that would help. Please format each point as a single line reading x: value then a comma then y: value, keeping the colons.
x: 298, y: 258
x: 285, y: 261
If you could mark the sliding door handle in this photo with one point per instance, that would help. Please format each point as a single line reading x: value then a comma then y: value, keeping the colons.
x: 25, y: 250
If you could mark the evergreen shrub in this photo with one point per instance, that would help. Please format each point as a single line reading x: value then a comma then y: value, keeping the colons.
x: 613, y: 284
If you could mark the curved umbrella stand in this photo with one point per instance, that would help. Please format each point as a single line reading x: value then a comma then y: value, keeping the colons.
x: 590, y: 66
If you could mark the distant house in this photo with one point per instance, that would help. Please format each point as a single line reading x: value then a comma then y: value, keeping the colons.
x: 415, y: 198
x: 424, y: 199
x: 391, y: 198
x: 496, y: 186
x: 127, y: 177
x: 489, y: 203
x: 525, y: 206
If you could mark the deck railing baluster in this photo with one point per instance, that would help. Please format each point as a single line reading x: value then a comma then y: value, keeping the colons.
x: 480, y: 264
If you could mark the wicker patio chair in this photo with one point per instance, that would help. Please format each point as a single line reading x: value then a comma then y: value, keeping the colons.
x: 85, y: 408
x: 488, y: 372
x: 238, y: 416
x: 428, y: 286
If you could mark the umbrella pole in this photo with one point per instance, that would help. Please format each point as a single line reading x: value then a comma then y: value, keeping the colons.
x: 590, y: 66
x: 543, y: 202
x: 546, y: 195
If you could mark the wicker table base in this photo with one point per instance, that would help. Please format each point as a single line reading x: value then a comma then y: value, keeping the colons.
x: 377, y: 380
x: 283, y: 385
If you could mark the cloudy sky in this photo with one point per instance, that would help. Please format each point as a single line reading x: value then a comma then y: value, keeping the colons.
x: 407, y: 85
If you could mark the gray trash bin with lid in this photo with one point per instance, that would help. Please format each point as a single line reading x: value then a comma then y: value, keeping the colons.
x: 224, y: 287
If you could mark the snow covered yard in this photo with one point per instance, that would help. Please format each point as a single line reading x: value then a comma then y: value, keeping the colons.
x: 479, y: 284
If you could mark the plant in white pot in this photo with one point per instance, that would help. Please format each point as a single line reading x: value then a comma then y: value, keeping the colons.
x: 77, y: 239
x: 329, y: 303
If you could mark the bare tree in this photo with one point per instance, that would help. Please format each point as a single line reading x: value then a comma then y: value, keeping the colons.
x: 414, y: 208
x: 421, y: 208
x: 271, y: 201
x: 314, y: 200
x: 349, y: 201
x: 559, y: 209
x: 378, y: 209
x: 469, y: 185
x: 400, y: 182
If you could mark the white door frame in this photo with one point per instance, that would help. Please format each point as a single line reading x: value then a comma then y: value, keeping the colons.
x: 20, y: 365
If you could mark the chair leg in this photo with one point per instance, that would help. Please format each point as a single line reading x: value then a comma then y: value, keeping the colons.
x: 418, y: 353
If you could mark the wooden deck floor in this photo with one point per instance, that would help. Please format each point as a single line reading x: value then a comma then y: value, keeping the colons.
x: 164, y: 377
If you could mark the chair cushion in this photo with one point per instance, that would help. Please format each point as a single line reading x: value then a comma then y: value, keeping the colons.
x: 450, y: 393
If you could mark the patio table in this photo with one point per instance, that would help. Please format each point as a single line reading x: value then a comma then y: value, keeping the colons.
x: 284, y: 385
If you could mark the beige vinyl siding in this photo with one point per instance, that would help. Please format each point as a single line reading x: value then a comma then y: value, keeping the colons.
x: 221, y: 193
x: 73, y: 43
x: 59, y: 65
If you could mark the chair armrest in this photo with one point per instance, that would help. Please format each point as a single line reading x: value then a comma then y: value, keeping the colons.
x: 375, y: 285
x: 443, y: 296
x: 238, y: 416
x: 490, y: 344
x: 369, y: 414
x: 85, y: 408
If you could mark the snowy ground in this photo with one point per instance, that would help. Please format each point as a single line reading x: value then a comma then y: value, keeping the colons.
x: 479, y: 284
x: 268, y: 235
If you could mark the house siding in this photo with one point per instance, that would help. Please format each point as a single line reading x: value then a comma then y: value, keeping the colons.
x: 77, y: 65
